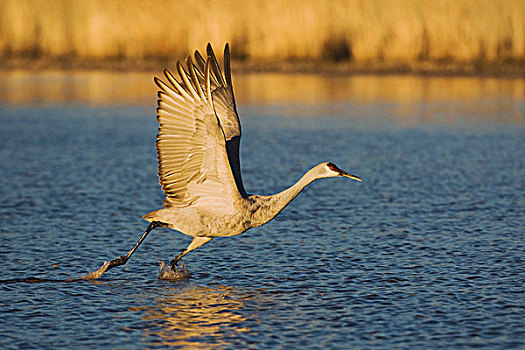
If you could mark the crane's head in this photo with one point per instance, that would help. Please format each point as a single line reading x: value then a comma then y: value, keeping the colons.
x: 331, y: 170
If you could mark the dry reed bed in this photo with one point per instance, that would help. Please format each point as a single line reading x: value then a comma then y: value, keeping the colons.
x: 259, y: 30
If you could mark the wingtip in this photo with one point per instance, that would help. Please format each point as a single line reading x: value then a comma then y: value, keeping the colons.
x: 189, y: 61
x: 157, y: 82
x: 197, y: 55
x: 167, y: 74
x: 227, y: 68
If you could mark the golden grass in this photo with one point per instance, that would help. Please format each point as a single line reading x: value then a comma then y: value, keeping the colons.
x: 259, y: 30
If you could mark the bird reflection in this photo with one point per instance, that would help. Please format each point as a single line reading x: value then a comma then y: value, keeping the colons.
x: 194, y: 317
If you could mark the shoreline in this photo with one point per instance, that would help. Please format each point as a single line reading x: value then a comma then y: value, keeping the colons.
x: 513, y: 69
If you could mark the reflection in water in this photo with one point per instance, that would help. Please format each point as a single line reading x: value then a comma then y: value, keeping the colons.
x: 94, y: 88
x: 193, y: 317
x: 413, y: 99
x: 314, y: 89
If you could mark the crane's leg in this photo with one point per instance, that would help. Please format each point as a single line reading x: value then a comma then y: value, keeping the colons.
x: 196, y: 243
x: 121, y: 260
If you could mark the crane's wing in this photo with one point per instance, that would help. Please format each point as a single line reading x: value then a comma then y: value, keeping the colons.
x: 191, y: 146
x: 224, y: 105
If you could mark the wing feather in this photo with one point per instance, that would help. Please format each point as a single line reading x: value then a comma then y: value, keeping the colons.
x: 193, y: 75
x: 178, y: 87
x: 224, y: 104
x: 184, y: 75
x: 215, y: 65
x: 199, y: 61
x: 193, y: 163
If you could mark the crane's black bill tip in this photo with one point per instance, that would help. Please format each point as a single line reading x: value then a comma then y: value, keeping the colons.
x: 334, y: 167
x: 353, y: 177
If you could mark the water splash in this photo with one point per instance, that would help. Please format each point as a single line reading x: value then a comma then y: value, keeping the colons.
x: 167, y: 273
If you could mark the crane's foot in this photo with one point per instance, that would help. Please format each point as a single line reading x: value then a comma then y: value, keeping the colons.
x: 174, y: 271
x: 108, y: 265
x: 121, y: 260
x: 97, y: 273
x: 173, y: 263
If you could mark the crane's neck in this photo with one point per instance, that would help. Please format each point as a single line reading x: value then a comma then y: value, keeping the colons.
x: 269, y: 206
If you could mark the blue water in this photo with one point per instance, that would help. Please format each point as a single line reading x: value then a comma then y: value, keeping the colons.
x: 427, y: 252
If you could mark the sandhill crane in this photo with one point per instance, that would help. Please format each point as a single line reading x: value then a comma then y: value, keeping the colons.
x: 198, y: 160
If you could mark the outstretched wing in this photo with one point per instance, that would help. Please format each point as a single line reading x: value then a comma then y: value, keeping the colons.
x: 191, y: 146
x: 224, y: 105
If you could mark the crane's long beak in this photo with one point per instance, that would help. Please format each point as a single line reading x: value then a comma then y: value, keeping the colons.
x: 345, y: 174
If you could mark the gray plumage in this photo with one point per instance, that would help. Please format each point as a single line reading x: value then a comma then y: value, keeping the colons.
x: 198, y: 154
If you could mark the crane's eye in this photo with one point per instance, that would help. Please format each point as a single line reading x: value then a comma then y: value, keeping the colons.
x: 333, y: 167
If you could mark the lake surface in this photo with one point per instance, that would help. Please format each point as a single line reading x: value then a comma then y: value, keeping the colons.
x: 427, y: 252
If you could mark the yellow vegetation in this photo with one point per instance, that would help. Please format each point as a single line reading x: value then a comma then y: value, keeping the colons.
x: 345, y: 30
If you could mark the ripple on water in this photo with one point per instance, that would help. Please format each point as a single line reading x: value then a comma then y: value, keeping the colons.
x: 426, y: 252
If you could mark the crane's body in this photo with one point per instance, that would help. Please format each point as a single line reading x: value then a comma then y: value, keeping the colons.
x: 246, y: 212
x: 197, y: 222
x: 198, y: 157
